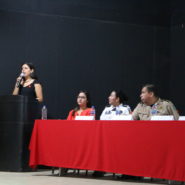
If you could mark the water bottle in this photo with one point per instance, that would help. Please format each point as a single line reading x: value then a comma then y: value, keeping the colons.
x: 93, y: 112
x: 44, y: 112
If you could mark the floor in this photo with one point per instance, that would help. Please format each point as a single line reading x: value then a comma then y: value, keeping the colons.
x: 45, y: 177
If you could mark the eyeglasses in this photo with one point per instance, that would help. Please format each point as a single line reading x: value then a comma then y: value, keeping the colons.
x: 82, y: 97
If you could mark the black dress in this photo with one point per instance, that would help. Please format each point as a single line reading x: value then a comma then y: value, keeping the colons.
x: 34, y: 105
x: 29, y: 90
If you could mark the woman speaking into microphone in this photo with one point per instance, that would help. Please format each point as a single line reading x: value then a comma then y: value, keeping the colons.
x: 27, y: 83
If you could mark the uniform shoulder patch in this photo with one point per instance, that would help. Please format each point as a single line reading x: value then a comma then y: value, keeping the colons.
x: 167, y: 101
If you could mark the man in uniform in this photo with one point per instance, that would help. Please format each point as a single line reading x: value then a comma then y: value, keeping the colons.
x: 151, y: 105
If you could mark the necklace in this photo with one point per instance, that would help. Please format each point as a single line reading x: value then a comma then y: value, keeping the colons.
x: 28, y: 80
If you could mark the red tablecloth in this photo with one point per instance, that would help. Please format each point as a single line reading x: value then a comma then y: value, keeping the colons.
x: 142, y: 148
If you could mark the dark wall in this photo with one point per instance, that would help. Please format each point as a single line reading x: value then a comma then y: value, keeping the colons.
x: 90, y: 45
x: 150, y: 12
x: 177, y: 86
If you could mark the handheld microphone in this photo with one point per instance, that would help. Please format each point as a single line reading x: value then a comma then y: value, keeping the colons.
x: 19, y: 81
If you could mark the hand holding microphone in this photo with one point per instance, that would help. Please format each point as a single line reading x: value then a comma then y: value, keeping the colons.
x: 19, y: 80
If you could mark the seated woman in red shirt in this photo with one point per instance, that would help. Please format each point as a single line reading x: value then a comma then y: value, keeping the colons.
x: 83, y: 107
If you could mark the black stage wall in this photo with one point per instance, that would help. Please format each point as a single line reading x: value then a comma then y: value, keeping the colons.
x: 177, y: 87
x: 92, y: 45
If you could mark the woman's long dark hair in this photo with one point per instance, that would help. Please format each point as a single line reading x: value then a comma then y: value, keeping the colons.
x: 88, y: 102
x: 31, y: 66
x: 122, y: 96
